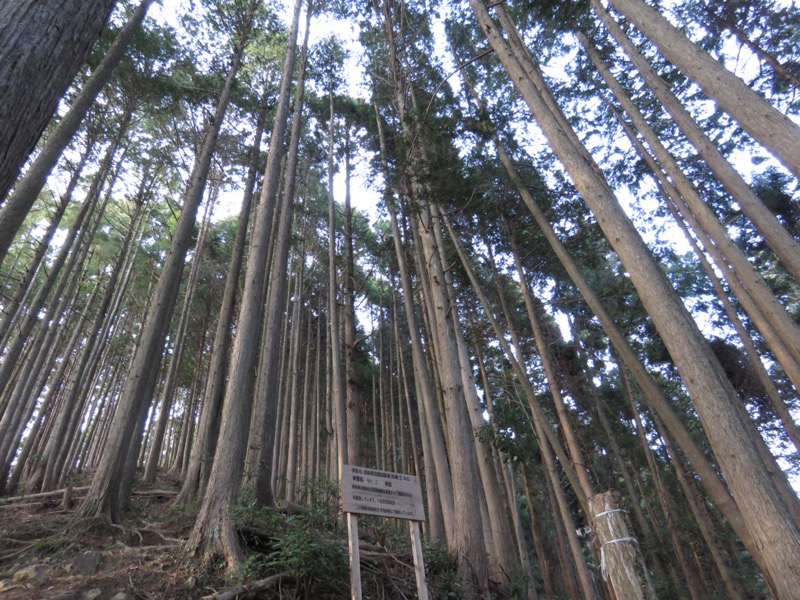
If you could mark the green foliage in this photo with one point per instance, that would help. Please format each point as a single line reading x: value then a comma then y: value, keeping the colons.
x: 255, y: 565
x: 327, y: 63
x: 324, y: 498
x: 304, y: 545
x: 247, y: 513
x: 309, y: 556
x: 443, y: 581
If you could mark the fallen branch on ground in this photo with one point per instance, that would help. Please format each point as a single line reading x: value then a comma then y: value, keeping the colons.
x: 290, y: 508
x: 244, y: 591
x: 50, y: 494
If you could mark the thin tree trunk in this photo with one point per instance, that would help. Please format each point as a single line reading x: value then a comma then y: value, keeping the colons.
x: 352, y: 397
x: 265, y: 407
x: 734, y: 440
x: 11, y: 309
x: 293, y: 397
x: 782, y: 243
x: 337, y: 372
x: 205, y: 442
x: 168, y: 390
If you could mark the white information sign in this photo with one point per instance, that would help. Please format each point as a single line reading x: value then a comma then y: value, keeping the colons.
x: 381, y: 493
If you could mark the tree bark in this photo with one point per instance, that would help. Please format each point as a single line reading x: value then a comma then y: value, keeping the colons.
x: 205, y: 442
x: 115, y: 472
x: 32, y: 32
x: 27, y: 189
x: 268, y: 370
x: 782, y: 243
x: 213, y: 534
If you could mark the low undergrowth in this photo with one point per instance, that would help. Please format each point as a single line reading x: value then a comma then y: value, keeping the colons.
x: 297, y: 553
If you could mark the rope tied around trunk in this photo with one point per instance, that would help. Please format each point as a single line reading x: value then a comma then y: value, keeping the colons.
x: 603, y: 567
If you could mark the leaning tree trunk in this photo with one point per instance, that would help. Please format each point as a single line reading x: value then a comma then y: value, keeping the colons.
x: 654, y: 397
x: 115, y: 472
x: 756, y: 116
x: 672, y: 198
x: 27, y: 189
x: 782, y: 243
x: 32, y: 32
x: 205, y: 442
x: 733, y: 439
x: 11, y: 309
x: 168, y: 389
x: 777, y: 327
x: 76, y: 233
x: 213, y: 534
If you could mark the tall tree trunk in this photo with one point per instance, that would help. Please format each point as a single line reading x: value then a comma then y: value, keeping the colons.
x: 32, y: 32
x: 352, y: 399
x: 782, y: 243
x: 672, y: 198
x: 25, y: 289
x: 293, y: 397
x: 205, y: 442
x: 422, y: 378
x: 756, y: 116
x: 213, y: 534
x: 115, y: 473
x: 168, y: 390
x: 467, y: 543
x: 73, y: 238
x: 337, y: 371
x: 775, y: 324
x: 268, y: 369
x: 653, y: 395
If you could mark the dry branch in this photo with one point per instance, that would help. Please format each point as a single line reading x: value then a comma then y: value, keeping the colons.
x: 290, y: 508
x: 245, y: 591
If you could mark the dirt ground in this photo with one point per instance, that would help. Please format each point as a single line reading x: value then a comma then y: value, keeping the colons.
x: 142, y: 559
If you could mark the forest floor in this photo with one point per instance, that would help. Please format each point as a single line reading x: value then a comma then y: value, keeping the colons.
x: 289, y: 556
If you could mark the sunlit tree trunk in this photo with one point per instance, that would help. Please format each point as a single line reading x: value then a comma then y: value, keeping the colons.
x: 782, y: 243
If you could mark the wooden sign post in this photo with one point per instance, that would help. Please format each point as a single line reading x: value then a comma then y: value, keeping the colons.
x: 383, y: 494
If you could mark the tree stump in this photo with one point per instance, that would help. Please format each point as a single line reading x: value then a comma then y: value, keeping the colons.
x: 621, y: 563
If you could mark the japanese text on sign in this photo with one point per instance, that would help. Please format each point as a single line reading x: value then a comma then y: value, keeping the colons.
x: 381, y: 493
